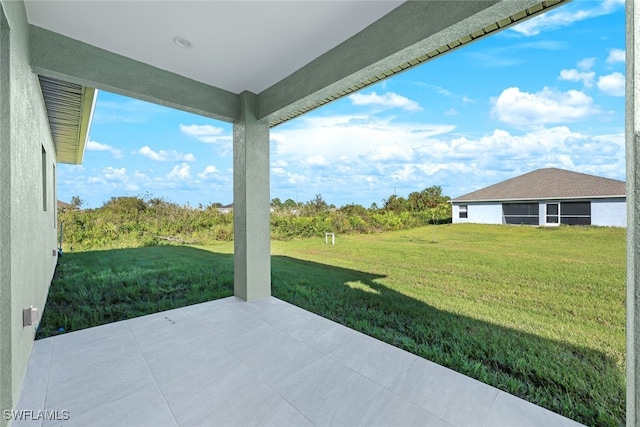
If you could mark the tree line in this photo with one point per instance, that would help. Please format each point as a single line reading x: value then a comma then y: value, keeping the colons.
x: 147, y: 220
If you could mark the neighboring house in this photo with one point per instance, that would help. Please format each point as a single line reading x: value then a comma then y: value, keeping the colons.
x: 226, y: 209
x: 546, y: 197
x: 66, y: 206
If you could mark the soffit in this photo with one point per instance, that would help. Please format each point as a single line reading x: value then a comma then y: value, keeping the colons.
x: 69, y: 110
x: 236, y: 45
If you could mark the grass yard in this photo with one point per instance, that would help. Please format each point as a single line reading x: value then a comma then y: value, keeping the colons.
x: 97, y: 287
x: 537, y: 312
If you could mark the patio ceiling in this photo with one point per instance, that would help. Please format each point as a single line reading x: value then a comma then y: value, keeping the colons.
x: 295, y: 55
x: 235, y: 45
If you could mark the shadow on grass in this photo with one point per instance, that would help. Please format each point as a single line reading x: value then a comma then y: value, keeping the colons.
x: 94, y: 288
x: 577, y: 382
x: 98, y: 287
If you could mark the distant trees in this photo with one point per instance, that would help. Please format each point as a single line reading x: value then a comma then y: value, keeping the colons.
x: 276, y: 203
x: 125, y: 205
x: 317, y: 205
x: 395, y: 204
x: 77, y: 202
x: 431, y: 202
x: 290, y: 204
x: 147, y: 220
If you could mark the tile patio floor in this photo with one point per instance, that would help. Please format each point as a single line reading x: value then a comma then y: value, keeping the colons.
x: 263, y: 363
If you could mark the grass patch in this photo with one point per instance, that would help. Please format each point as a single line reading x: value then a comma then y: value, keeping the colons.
x: 98, y: 287
x: 537, y: 312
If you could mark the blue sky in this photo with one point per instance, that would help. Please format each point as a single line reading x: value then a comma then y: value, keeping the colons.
x: 546, y: 93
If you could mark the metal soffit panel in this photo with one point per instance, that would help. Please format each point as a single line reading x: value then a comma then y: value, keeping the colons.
x: 69, y: 110
x: 502, y: 24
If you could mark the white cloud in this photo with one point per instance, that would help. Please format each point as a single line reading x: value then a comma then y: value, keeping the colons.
x: 148, y: 152
x: 182, y: 172
x: 374, y: 156
x: 616, y: 55
x: 451, y: 112
x: 72, y: 168
x: 97, y: 146
x: 390, y: 152
x: 438, y: 89
x: 587, y: 64
x: 279, y: 171
x: 279, y: 163
x: 208, y: 172
x: 335, y: 137
x: 567, y: 15
x: 612, y: 84
x: 388, y: 100
x: 545, y: 107
x: 164, y: 155
x: 113, y: 174
x: 467, y: 100
x: 205, y: 133
x: 405, y: 173
x: 114, y: 178
x: 295, y: 178
x: 573, y: 75
x: 316, y: 160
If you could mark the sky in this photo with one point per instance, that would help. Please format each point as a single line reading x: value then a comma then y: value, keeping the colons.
x: 548, y: 92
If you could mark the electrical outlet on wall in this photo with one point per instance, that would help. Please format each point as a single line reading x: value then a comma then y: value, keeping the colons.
x: 29, y: 316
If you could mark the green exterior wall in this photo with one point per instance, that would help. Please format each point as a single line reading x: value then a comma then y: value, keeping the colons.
x: 27, y: 230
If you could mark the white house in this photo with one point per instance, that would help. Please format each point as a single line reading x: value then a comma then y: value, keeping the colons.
x: 546, y: 197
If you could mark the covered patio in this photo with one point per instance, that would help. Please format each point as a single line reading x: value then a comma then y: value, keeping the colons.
x: 264, y: 363
x: 252, y: 359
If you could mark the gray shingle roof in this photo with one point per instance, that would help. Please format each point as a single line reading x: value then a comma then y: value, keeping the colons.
x: 549, y: 183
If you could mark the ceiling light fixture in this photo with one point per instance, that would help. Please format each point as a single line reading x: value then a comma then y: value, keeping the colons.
x: 182, y: 42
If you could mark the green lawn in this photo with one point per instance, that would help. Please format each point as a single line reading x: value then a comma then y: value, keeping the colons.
x: 536, y: 312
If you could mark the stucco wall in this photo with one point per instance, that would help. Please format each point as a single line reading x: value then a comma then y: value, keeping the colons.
x: 609, y: 212
x: 27, y: 231
x: 485, y: 213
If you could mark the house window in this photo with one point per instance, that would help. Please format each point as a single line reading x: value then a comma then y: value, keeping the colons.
x: 575, y: 213
x: 462, y: 211
x: 44, y: 179
x: 520, y: 213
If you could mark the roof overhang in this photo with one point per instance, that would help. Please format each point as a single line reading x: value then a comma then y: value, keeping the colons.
x: 426, y: 50
x: 70, y: 110
x: 550, y: 199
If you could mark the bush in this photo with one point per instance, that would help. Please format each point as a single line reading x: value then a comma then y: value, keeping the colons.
x: 136, y: 221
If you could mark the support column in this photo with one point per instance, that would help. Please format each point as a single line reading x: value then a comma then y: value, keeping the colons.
x: 251, y: 203
x: 632, y: 138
